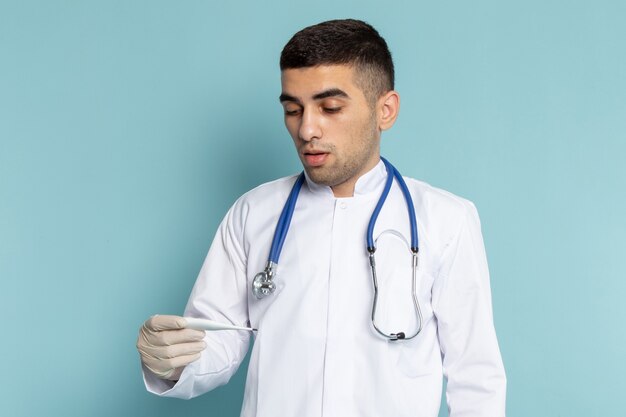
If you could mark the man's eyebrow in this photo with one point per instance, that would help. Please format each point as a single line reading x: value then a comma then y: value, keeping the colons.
x: 331, y: 92
x: 286, y: 97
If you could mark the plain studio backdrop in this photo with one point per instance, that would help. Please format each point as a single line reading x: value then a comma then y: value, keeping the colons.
x: 127, y: 129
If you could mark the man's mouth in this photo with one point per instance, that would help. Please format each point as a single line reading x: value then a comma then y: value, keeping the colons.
x: 315, y: 158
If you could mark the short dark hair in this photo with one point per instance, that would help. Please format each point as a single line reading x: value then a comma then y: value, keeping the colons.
x: 343, y: 42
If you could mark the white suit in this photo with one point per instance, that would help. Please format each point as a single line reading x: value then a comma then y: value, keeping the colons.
x: 316, y: 352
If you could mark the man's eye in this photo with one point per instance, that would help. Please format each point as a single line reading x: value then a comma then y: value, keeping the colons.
x: 332, y: 110
x: 292, y: 112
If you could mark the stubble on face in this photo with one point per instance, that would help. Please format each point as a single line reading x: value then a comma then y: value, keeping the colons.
x: 348, y: 164
x: 328, y: 114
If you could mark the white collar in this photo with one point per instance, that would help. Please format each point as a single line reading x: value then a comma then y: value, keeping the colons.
x: 372, y: 181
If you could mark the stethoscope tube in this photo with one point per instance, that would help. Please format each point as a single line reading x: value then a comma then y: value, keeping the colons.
x: 263, y: 283
x: 284, y: 221
x: 371, y: 248
x: 393, y: 173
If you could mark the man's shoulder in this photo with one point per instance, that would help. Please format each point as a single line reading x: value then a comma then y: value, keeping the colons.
x: 265, y: 195
x: 270, y: 190
x: 438, y: 199
x: 441, y: 214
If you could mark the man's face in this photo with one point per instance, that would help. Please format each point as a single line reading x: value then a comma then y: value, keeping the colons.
x: 333, y: 126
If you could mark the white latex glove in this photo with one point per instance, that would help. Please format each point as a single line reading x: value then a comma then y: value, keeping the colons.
x: 166, y: 347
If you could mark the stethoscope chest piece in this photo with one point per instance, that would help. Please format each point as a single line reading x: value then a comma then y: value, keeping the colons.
x: 263, y: 283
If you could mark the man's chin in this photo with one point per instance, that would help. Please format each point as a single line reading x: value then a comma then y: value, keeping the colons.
x: 319, y: 175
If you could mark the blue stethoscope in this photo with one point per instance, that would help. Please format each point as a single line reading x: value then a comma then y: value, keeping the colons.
x: 263, y: 283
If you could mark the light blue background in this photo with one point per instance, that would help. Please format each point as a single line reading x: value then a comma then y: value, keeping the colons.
x: 127, y: 129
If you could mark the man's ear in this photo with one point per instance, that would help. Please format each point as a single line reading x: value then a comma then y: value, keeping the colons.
x: 388, y: 106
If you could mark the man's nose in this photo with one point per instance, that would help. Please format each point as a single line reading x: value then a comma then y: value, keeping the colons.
x: 310, y: 127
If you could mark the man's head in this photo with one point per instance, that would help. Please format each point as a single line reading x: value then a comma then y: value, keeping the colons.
x: 337, y: 94
x: 344, y: 42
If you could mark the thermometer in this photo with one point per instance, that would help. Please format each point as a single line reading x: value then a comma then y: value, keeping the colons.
x: 210, y: 325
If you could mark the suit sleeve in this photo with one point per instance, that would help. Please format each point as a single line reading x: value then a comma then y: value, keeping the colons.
x: 472, y: 363
x: 220, y: 293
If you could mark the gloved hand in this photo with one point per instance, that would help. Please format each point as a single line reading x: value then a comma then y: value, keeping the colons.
x: 166, y: 347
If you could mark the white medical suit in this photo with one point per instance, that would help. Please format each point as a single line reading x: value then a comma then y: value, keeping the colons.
x: 316, y: 353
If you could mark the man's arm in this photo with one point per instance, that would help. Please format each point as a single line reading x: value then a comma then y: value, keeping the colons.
x: 462, y: 304
x: 219, y: 294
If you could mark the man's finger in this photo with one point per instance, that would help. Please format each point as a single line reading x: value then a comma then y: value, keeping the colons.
x: 165, y: 369
x: 158, y: 323
x: 172, y: 337
x: 184, y: 360
x: 173, y: 351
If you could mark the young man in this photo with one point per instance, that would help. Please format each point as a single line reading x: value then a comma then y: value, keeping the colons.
x: 317, y: 352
